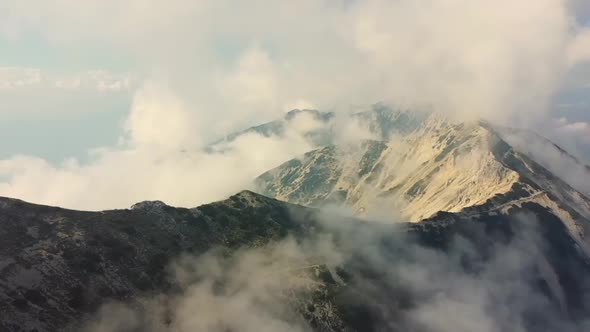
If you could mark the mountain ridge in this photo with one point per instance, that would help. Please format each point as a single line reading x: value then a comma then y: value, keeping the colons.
x: 60, y: 266
x: 483, y: 214
x: 462, y: 140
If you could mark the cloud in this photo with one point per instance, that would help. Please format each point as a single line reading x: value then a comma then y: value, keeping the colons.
x: 21, y: 78
x: 580, y: 129
x: 249, y: 290
x: 579, y: 50
x: 486, y: 286
x: 229, y: 65
x: 574, y: 136
x: 159, y: 119
x: 14, y: 77
x: 457, y: 56
x: 160, y: 156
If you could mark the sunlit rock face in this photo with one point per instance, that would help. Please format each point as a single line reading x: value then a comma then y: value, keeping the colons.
x: 434, y: 165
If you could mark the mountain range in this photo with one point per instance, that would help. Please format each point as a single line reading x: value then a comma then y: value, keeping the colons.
x: 394, y: 217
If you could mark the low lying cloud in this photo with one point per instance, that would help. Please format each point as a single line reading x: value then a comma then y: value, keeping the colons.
x: 160, y: 156
x: 249, y: 291
x: 559, y: 162
x: 379, y: 279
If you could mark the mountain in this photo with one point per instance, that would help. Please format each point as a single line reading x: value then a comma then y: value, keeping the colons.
x: 496, y: 238
x: 440, y: 166
x: 60, y: 266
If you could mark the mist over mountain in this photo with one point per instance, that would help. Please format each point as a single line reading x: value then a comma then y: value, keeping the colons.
x: 423, y: 216
x: 310, y: 165
x: 252, y: 263
x: 423, y: 166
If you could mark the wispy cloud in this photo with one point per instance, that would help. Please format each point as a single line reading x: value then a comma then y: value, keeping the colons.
x: 12, y: 78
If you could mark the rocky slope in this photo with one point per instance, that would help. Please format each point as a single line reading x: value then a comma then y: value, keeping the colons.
x: 440, y: 166
x: 59, y: 266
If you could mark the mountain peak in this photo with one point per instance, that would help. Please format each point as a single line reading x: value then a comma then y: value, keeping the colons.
x: 435, y: 165
x: 148, y: 205
x: 248, y: 194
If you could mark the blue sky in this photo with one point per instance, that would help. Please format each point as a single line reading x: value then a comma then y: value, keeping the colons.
x: 34, y: 50
x: 55, y: 123
x: 57, y: 135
